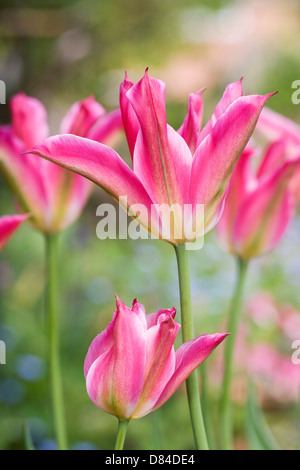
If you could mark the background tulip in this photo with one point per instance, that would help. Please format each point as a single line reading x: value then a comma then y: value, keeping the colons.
x: 54, y: 196
x: 260, y: 203
x: 131, y: 368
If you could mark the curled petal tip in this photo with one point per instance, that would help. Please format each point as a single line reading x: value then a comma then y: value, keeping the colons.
x: 146, y: 70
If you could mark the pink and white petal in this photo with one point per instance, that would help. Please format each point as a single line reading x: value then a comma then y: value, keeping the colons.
x: 81, y: 117
x: 191, y: 126
x: 152, y: 318
x: 217, y: 155
x: 177, y: 186
x: 130, y: 120
x: 22, y: 174
x: 139, y: 309
x: 8, y: 225
x: 232, y: 92
x: 29, y: 119
x: 129, y: 357
x: 274, y: 126
x: 188, y: 357
x: 104, y: 167
x: 265, y: 215
x: 71, y: 208
x: 100, y: 344
x: 106, y: 129
x: 241, y: 183
x: 160, y: 153
x: 160, y: 362
x: 99, y: 381
x: 273, y: 158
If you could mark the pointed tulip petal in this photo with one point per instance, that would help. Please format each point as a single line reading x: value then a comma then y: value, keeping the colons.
x: 232, y: 92
x: 160, y: 362
x: 81, y: 117
x: 29, y: 119
x: 100, y: 344
x: 265, y: 214
x: 130, y: 120
x: 241, y: 183
x: 191, y: 126
x: 119, y: 372
x: 161, y: 154
x: 224, y: 145
x: 106, y: 129
x: 274, y: 126
x: 188, y: 357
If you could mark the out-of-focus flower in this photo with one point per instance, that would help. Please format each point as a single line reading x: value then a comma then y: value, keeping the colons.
x: 8, y: 225
x: 274, y: 127
x: 55, y: 197
x: 131, y: 368
x: 173, y: 172
x: 260, y: 202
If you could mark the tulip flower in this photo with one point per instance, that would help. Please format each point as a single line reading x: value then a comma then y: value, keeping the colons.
x: 131, y: 368
x: 8, y: 225
x: 54, y: 197
x: 174, y: 175
x: 171, y: 169
x: 259, y: 204
x: 274, y: 127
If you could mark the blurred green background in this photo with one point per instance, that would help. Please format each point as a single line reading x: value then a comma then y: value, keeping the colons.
x: 63, y: 51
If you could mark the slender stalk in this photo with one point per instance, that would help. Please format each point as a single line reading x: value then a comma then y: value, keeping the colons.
x: 206, y: 406
x: 121, y: 434
x: 226, y: 429
x: 188, y: 334
x: 53, y: 330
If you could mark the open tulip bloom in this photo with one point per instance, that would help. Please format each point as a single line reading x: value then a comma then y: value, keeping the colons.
x: 131, y: 368
x: 174, y: 172
x: 8, y: 225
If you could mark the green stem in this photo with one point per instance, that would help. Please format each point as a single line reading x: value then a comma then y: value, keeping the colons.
x: 121, y: 434
x: 226, y: 429
x: 188, y: 334
x: 53, y: 330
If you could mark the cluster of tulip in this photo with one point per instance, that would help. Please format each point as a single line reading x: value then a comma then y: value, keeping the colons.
x: 249, y: 192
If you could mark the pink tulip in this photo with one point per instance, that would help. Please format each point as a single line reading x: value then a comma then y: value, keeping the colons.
x: 275, y: 127
x: 54, y: 196
x: 259, y: 204
x: 131, y: 368
x: 175, y: 170
x: 8, y: 225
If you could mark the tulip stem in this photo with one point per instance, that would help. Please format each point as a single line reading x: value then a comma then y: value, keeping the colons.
x: 53, y: 330
x: 226, y: 429
x: 192, y: 385
x: 121, y: 434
